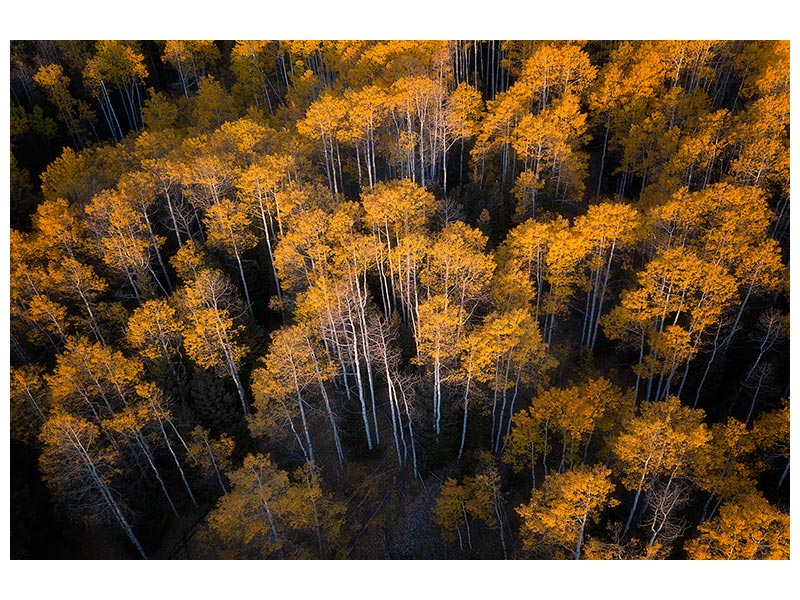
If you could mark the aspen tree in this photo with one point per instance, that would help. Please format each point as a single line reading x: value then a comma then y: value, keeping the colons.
x: 603, y: 98
x: 626, y: 89
x: 29, y: 407
x: 748, y: 528
x: 388, y: 61
x: 534, y: 142
x: 190, y: 260
x: 609, y: 228
x: 487, y: 479
x: 303, y: 249
x: 556, y: 70
x: 772, y: 326
x: 80, y: 283
x: 660, y: 441
x: 154, y: 330
x: 398, y: 212
x: 250, y: 61
x: 206, y: 178
x: 268, y: 514
x: 525, y: 249
x: 457, y: 268
x: 242, y: 141
x: 341, y: 320
x: 161, y: 168
x: 71, y: 111
x: 59, y: 227
x: 525, y: 442
x: 80, y: 470
x: 81, y: 384
x: 210, y: 335
x: 771, y: 434
x: 565, y: 253
x: 121, y: 241
x: 758, y: 271
x: 228, y: 227
x: 342, y: 57
x: 308, y: 54
x: 727, y: 226
x: 367, y: 109
x: 340, y: 270
x: 450, y: 512
x: 549, y: 144
x: 36, y: 313
x: 191, y: 58
x: 325, y: 372
x: 472, y: 346
x: 260, y: 186
x: 407, y: 260
x: 437, y: 334
x: 129, y: 427
x: 516, y: 355
x: 759, y: 133
x: 288, y: 375
x: 136, y: 189
x: 247, y: 519
x: 502, y: 117
x: 477, y: 497
x: 537, y: 116
x: 387, y: 356
x: 154, y: 406
x: 560, y: 510
x: 703, y: 142
x: 324, y: 122
x: 676, y: 285
x: 210, y: 455
x: 463, y: 111
x: 312, y: 513
x: 663, y: 518
x: 616, y: 547
x: 575, y: 413
x: 419, y: 101
x: 722, y: 467
x: 98, y: 383
x: 117, y: 65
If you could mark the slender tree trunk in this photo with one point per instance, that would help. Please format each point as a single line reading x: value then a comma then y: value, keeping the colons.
x: 783, y: 475
x: 148, y: 456
x: 635, y: 500
x: 499, y: 516
x: 602, y: 163
x: 580, y: 537
x: 726, y: 343
x: 118, y: 514
x: 438, y: 408
x: 362, y: 400
x: 239, y: 388
x: 300, y: 404
x: 602, y: 297
x: 177, y: 463
x: 331, y: 418
x: 466, y: 525
x: 214, y: 465
x: 267, y: 236
x: 464, y: 423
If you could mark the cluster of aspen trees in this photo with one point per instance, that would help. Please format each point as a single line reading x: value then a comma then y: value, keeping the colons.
x: 269, y: 292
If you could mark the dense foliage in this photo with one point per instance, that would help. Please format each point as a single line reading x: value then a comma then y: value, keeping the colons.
x: 302, y: 299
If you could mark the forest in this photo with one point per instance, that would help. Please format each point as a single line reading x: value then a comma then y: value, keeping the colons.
x: 399, y: 299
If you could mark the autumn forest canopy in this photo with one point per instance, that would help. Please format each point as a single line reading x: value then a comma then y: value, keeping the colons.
x: 405, y: 299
